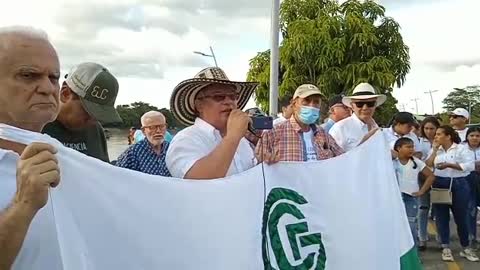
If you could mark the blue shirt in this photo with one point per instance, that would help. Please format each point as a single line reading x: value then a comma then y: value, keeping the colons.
x: 328, y: 125
x: 138, y: 136
x: 141, y: 157
x: 168, y: 136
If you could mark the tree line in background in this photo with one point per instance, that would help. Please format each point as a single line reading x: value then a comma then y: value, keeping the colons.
x: 132, y: 113
x: 467, y: 97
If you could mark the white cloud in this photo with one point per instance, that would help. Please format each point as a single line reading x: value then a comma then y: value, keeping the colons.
x: 149, y: 44
x: 442, y: 40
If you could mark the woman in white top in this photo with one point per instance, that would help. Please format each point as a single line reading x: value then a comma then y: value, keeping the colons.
x: 452, y: 164
x: 473, y: 143
x: 428, y: 128
x: 407, y: 168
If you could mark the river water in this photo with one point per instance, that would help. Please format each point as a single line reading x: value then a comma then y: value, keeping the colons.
x: 117, y: 143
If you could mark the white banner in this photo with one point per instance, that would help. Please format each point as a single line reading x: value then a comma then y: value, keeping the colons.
x: 340, y: 214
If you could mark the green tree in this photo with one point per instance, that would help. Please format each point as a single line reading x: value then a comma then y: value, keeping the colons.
x: 467, y: 98
x: 132, y: 113
x: 335, y: 46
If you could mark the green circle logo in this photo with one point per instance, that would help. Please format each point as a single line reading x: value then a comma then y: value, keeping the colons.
x: 280, y: 202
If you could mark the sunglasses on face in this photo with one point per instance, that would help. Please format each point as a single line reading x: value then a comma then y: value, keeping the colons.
x: 455, y: 116
x: 221, y: 96
x: 369, y: 104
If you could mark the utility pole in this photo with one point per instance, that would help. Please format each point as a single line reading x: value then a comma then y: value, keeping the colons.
x: 416, y: 103
x: 274, y: 56
x: 213, y: 55
x: 431, y: 98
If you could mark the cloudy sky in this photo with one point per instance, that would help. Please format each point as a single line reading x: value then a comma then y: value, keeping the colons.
x: 149, y: 44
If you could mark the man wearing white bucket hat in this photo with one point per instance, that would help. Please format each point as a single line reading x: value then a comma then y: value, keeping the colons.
x: 356, y: 129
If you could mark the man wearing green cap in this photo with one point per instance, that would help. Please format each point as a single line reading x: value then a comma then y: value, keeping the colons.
x: 87, y: 99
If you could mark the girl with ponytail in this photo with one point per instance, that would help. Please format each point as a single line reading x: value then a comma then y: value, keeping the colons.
x: 407, y: 169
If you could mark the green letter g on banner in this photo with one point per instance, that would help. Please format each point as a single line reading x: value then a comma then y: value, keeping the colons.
x: 285, y: 201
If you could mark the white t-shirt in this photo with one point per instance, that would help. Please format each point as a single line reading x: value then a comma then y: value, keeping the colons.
x: 198, y: 141
x: 462, y: 133
x: 392, y: 138
x: 279, y: 120
x: 407, y: 175
x: 309, y: 147
x: 425, y: 147
x: 40, y: 249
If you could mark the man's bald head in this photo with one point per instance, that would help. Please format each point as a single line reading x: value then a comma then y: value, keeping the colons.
x: 23, y: 31
x: 29, y: 75
x: 10, y: 35
x: 151, y: 114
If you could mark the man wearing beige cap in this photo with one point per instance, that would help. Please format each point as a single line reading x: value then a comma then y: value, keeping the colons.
x: 87, y: 99
x: 299, y: 138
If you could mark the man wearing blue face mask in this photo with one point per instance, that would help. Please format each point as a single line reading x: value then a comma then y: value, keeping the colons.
x: 299, y: 138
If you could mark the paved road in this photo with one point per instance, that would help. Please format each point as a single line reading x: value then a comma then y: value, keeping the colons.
x: 432, y: 258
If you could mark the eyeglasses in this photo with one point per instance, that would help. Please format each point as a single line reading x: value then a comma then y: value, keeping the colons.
x: 369, y: 104
x: 221, y: 97
x: 155, y: 127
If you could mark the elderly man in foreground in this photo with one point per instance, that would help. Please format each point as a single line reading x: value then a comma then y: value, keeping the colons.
x: 29, y: 99
x: 214, y: 145
x: 358, y: 128
x: 148, y: 155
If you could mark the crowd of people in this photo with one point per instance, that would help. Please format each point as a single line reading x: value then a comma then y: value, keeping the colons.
x: 435, y: 164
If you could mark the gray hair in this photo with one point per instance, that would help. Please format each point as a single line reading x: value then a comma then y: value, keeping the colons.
x: 25, y: 31
x: 151, y: 114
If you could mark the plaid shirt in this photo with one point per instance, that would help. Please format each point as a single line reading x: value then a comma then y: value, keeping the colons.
x: 287, y: 138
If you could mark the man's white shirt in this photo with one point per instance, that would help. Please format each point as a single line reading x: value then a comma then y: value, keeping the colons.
x: 462, y: 133
x: 198, y: 141
x: 349, y: 132
x: 40, y: 249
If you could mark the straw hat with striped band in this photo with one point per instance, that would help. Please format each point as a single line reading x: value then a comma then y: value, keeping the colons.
x: 182, y: 101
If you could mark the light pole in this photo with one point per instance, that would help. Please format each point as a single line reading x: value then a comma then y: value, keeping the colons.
x: 431, y: 98
x: 274, y: 52
x: 416, y: 103
x: 208, y: 55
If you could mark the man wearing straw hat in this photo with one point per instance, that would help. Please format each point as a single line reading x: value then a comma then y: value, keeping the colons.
x: 214, y: 145
x: 356, y: 129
